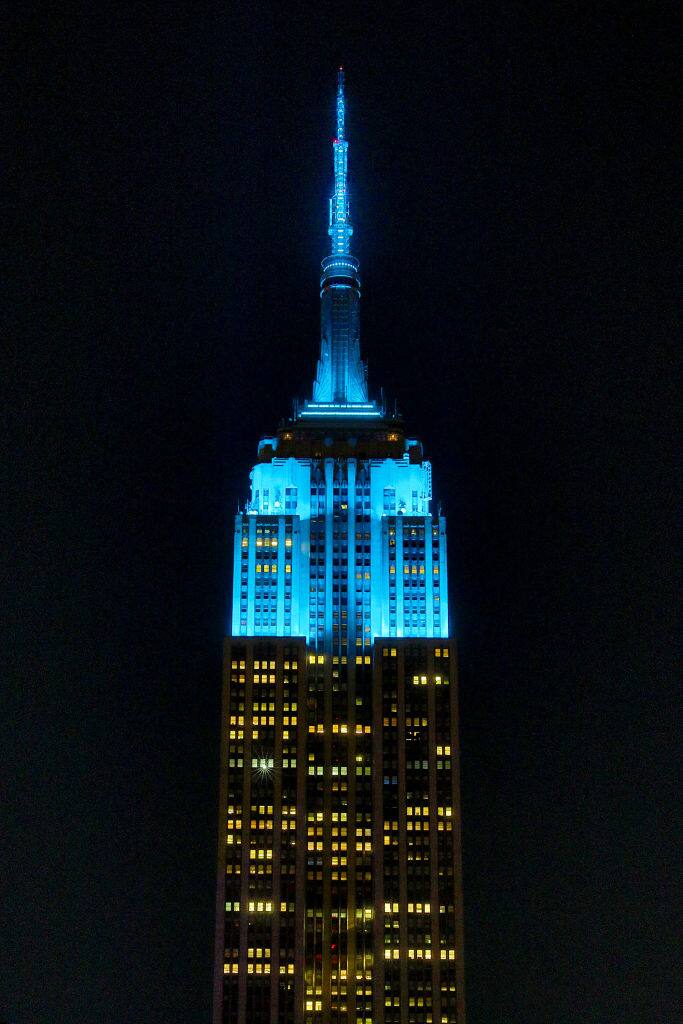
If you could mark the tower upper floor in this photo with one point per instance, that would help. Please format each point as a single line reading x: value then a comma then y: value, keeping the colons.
x: 337, y: 541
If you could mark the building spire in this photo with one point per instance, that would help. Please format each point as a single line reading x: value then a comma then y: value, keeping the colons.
x: 340, y: 229
x: 340, y: 386
x: 340, y: 105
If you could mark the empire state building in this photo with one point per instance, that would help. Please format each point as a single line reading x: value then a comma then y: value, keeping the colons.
x: 339, y: 881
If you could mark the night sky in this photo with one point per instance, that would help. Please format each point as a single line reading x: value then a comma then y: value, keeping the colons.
x: 169, y: 171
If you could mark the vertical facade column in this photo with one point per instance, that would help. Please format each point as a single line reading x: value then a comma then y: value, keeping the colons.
x: 351, y: 924
x: 433, y: 836
x: 351, y: 550
x: 377, y: 838
x: 457, y: 838
x: 222, y: 822
x: 402, y: 833
x: 351, y: 741
x: 329, y: 544
x: 251, y: 575
x: 400, y: 577
x: 327, y: 836
x: 237, y: 574
x: 429, y: 575
x: 246, y: 829
x: 299, y: 580
x: 377, y: 526
x: 443, y: 576
x: 383, y: 567
x: 300, y: 833
x: 281, y: 578
x: 277, y: 831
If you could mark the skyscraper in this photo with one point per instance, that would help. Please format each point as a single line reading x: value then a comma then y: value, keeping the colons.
x: 339, y: 883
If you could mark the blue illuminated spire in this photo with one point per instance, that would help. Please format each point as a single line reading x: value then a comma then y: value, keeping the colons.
x: 340, y: 228
x: 341, y: 378
x: 340, y: 105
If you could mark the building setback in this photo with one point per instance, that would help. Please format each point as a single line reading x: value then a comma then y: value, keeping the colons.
x: 339, y: 881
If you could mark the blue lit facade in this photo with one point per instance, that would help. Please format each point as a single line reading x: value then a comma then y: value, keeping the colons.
x: 338, y: 542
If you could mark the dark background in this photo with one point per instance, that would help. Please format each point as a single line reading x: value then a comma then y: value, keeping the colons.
x: 168, y: 176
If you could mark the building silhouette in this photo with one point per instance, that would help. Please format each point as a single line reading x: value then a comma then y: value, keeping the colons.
x: 339, y: 881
